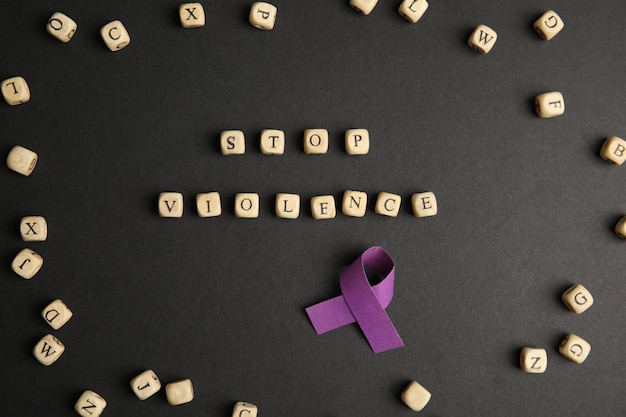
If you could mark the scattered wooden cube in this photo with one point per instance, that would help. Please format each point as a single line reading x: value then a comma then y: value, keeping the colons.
x: 33, y: 229
x: 533, y: 360
x: 115, y: 35
x: 614, y: 150
x: 27, y: 263
x: 61, y: 27
x: 482, y: 39
x: 357, y: 141
x: 90, y: 404
x: 272, y: 142
x: 620, y: 228
x: 413, y: 10
x: 171, y: 204
x: 232, y: 142
x: 247, y: 205
x: 549, y: 104
x: 179, y: 392
x: 315, y: 141
x: 15, y: 91
x: 263, y: 15
x: 548, y: 25
x: 354, y: 203
x: 287, y: 206
x: 415, y: 396
x: 577, y: 298
x: 424, y: 204
x: 56, y: 314
x: 575, y: 348
x: 146, y: 384
x: 22, y: 160
x: 191, y: 15
x: 209, y: 204
x: 323, y: 207
x: 243, y: 409
x: 363, y: 6
x: 48, y: 350
x: 388, y: 204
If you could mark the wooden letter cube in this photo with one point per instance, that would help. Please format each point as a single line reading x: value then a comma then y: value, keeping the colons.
x: 27, y: 263
x: 357, y: 141
x: 549, y: 104
x: 191, y: 15
x: 232, y: 142
x: 577, y: 298
x: 614, y: 150
x: 146, y: 384
x: 415, y: 396
x: 48, y: 350
x: 548, y: 25
x: 209, y: 204
x: 413, y: 10
x: 243, y: 409
x: 483, y: 39
x: 56, y: 314
x: 33, y: 229
x: 262, y: 15
x: 363, y: 6
x: 179, y: 392
x: 90, y: 404
x: 171, y: 205
x: 273, y: 142
x: 424, y: 204
x: 620, y: 228
x: 354, y: 203
x: 287, y: 206
x: 15, y: 91
x: 315, y: 141
x: 22, y: 160
x: 247, y: 205
x: 323, y: 207
x: 388, y: 204
x: 115, y: 35
x: 575, y: 348
x: 61, y: 27
x: 533, y: 360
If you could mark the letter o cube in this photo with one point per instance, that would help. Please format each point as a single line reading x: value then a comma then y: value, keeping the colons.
x: 48, y: 350
x: 146, y: 384
x: 179, y: 392
x: 243, y: 409
x: 263, y: 15
x: 548, y: 25
x: 577, y: 298
x: 315, y: 141
x: 247, y: 205
x: 415, y: 396
x: 22, y: 160
x: 56, y: 314
x: 61, y: 27
x: 90, y: 404
x: 575, y: 348
x: 115, y: 35
x: 549, y: 104
x: 614, y: 150
x: 533, y: 360
x: 27, y: 263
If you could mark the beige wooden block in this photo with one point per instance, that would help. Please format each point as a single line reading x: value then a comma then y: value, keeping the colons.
x: 575, y: 348
x: 533, y: 360
x: 263, y: 15
x: 171, y: 204
x: 15, y: 91
x: 247, y: 205
x: 27, y: 263
x: 179, y: 392
x: 209, y: 204
x: 146, y: 384
x: 287, y: 206
x: 315, y: 141
x: 357, y: 141
x: 323, y: 207
x: 424, y: 204
x: 415, y: 396
x: 33, y: 229
x: 273, y: 142
x: 388, y: 204
x: 56, y: 314
x: 115, y: 35
x: 549, y: 104
x: 90, y: 404
x: 243, y: 409
x: 482, y: 39
x: 577, y: 298
x: 191, y: 15
x: 413, y: 10
x: 61, y: 27
x: 620, y: 228
x: 614, y: 150
x: 48, y: 350
x: 354, y: 203
x: 363, y: 6
x: 548, y: 25
x: 22, y: 160
x: 232, y: 142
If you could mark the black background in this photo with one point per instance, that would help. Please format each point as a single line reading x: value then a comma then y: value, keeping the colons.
x: 526, y: 207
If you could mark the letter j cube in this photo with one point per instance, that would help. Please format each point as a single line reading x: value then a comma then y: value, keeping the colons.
x: 263, y: 15
x: 549, y: 104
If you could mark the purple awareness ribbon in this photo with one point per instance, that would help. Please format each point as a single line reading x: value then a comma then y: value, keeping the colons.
x: 362, y: 303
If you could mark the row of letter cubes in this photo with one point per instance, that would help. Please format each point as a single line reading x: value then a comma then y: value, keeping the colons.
x: 287, y: 206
